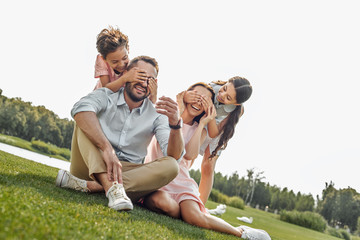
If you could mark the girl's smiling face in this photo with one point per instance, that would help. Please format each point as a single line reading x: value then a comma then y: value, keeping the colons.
x: 227, y: 94
x: 118, y: 60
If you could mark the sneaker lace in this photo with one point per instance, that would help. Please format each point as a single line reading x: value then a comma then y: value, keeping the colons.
x: 118, y: 191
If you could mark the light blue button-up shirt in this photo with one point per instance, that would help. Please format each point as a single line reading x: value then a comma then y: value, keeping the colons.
x: 128, y: 132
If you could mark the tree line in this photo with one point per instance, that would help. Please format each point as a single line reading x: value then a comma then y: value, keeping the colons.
x: 340, y: 207
x: 21, y: 119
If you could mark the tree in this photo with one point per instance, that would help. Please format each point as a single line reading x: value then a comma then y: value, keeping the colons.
x: 340, y: 207
x: 348, y: 209
x: 304, y: 202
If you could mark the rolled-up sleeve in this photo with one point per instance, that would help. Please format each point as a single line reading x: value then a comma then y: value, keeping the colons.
x: 100, y: 67
x: 162, y: 133
x: 96, y: 101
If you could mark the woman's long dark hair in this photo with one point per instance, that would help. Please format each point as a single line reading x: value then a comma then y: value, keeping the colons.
x: 243, y: 91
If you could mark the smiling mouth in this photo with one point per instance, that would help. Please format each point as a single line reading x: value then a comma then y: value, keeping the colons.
x: 197, y: 109
x: 140, y: 89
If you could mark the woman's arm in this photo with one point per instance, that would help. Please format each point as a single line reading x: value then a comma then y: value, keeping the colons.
x: 193, y: 146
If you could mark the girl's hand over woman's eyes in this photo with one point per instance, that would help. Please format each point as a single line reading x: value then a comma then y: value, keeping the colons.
x: 192, y: 97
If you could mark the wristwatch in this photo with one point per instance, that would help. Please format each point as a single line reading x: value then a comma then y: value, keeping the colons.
x: 178, y: 125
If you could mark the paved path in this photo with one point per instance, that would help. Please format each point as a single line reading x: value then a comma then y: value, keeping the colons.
x: 36, y: 157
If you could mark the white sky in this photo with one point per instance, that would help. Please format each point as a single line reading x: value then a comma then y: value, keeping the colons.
x: 301, y: 125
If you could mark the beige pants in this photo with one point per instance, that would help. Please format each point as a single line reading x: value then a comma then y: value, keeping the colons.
x: 138, y: 179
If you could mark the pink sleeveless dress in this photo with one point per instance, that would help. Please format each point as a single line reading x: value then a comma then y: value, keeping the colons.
x: 183, y: 187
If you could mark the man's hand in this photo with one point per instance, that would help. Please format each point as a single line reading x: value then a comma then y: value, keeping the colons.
x: 152, y: 85
x: 89, y: 124
x: 180, y: 102
x: 113, y: 165
x: 169, y: 108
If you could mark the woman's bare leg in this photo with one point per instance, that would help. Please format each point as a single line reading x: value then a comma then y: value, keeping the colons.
x: 207, y: 175
x: 190, y: 213
x: 161, y: 202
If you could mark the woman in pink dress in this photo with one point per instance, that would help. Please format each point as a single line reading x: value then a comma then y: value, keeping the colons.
x: 181, y: 197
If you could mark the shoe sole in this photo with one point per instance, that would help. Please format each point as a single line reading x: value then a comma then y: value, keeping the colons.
x: 122, y: 207
x: 59, y: 178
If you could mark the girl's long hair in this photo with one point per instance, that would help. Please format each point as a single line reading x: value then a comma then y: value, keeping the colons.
x: 243, y: 91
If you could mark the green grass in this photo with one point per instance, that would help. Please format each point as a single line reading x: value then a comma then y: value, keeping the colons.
x: 51, y: 150
x: 33, y: 208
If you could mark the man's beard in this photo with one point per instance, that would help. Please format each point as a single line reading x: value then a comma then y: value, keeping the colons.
x: 132, y: 96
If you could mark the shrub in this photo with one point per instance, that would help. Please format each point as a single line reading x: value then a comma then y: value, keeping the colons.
x: 218, y: 197
x: 64, y: 152
x: 305, y: 219
x: 236, y: 202
x: 333, y: 232
x: 345, y: 235
x: 41, y: 146
x: 53, y: 150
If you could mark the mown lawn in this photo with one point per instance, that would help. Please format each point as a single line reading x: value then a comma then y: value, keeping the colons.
x: 45, y: 148
x: 33, y: 208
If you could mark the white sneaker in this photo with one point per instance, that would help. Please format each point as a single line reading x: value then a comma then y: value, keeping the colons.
x: 118, y: 200
x: 65, y: 179
x: 254, y: 234
x: 219, y: 210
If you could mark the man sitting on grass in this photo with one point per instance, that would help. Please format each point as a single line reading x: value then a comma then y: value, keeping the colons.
x: 110, y: 139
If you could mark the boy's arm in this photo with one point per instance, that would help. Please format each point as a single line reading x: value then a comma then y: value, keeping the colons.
x: 133, y: 75
x: 104, y: 79
x: 116, y: 85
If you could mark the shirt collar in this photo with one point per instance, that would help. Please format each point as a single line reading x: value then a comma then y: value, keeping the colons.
x: 121, y: 99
